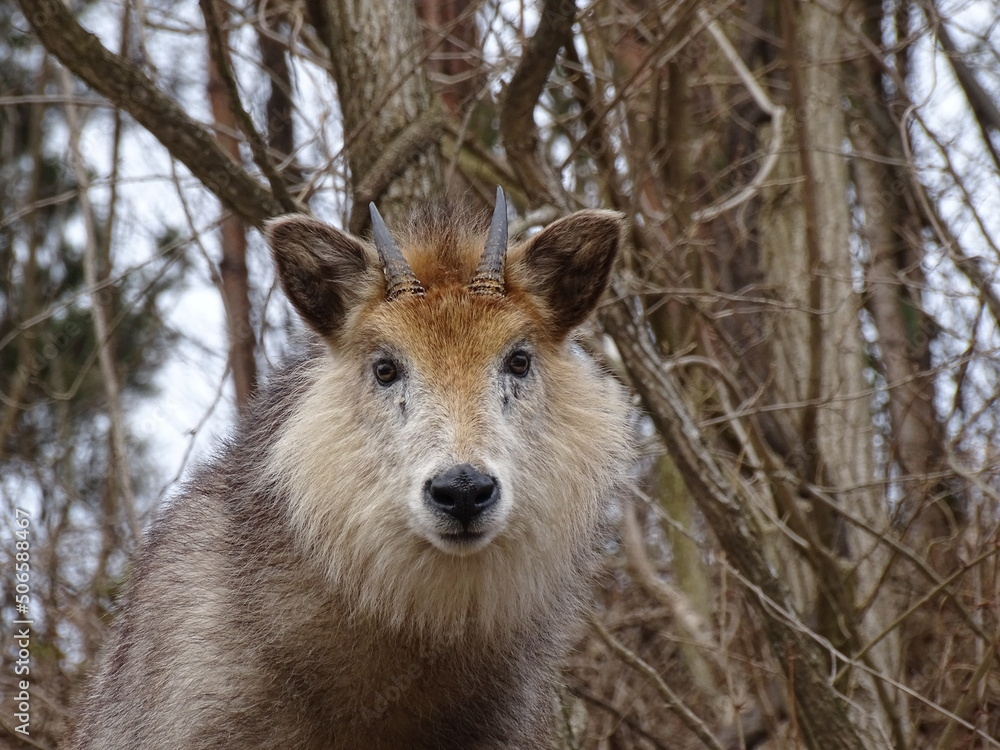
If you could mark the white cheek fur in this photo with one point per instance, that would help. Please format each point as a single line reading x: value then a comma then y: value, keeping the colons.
x: 355, y: 479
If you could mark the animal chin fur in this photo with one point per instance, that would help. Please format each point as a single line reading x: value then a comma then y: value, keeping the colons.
x: 383, y: 568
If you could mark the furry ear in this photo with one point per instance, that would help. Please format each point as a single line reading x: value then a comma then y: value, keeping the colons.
x: 568, y: 264
x: 324, y: 272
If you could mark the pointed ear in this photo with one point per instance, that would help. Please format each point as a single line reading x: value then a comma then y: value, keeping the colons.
x: 568, y: 264
x: 324, y: 272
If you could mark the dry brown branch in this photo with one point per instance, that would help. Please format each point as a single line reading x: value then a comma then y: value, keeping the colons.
x: 218, y: 52
x: 672, y: 701
x: 517, y: 118
x: 775, y: 111
x: 884, y: 536
x: 704, y: 661
x: 820, y: 710
x: 232, y: 277
x: 792, y: 620
x: 969, y: 697
x: 415, y: 138
x: 620, y: 717
x: 102, y: 331
x: 986, y: 113
x: 132, y: 90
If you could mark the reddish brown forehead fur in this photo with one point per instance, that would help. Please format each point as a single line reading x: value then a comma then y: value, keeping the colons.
x: 449, y: 322
x: 443, y: 247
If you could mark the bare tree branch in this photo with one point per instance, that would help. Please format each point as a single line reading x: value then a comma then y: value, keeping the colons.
x: 217, y: 49
x: 129, y: 88
x: 102, y: 331
x: 775, y: 111
x: 670, y: 698
x: 233, y: 281
x: 415, y: 138
x: 517, y: 110
x: 821, y: 711
x: 984, y: 108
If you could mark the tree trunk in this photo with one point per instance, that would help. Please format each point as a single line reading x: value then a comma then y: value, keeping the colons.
x: 806, y: 260
x: 391, y: 120
x: 234, y: 284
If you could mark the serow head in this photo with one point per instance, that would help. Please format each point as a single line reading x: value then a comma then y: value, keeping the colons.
x: 453, y: 392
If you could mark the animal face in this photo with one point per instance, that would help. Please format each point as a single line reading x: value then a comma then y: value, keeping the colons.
x: 460, y: 381
x: 454, y: 442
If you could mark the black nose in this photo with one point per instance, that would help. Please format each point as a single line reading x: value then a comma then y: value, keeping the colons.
x: 462, y: 492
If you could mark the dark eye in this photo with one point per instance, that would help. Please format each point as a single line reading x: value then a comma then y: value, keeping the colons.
x: 385, y: 371
x: 519, y: 363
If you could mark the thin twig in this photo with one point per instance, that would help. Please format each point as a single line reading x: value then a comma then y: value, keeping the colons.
x: 618, y: 715
x: 792, y: 620
x: 775, y: 111
x: 220, y: 58
x: 99, y: 316
x: 128, y: 87
x: 969, y: 695
x: 670, y: 698
x: 517, y: 121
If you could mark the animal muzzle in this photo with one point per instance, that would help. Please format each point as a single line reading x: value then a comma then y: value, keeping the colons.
x: 463, y: 493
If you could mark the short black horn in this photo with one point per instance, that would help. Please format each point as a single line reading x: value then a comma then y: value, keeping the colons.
x: 488, y: 278
x: 398, y: 274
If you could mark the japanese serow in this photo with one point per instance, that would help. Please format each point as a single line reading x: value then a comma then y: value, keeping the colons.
x: 394, y: 548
